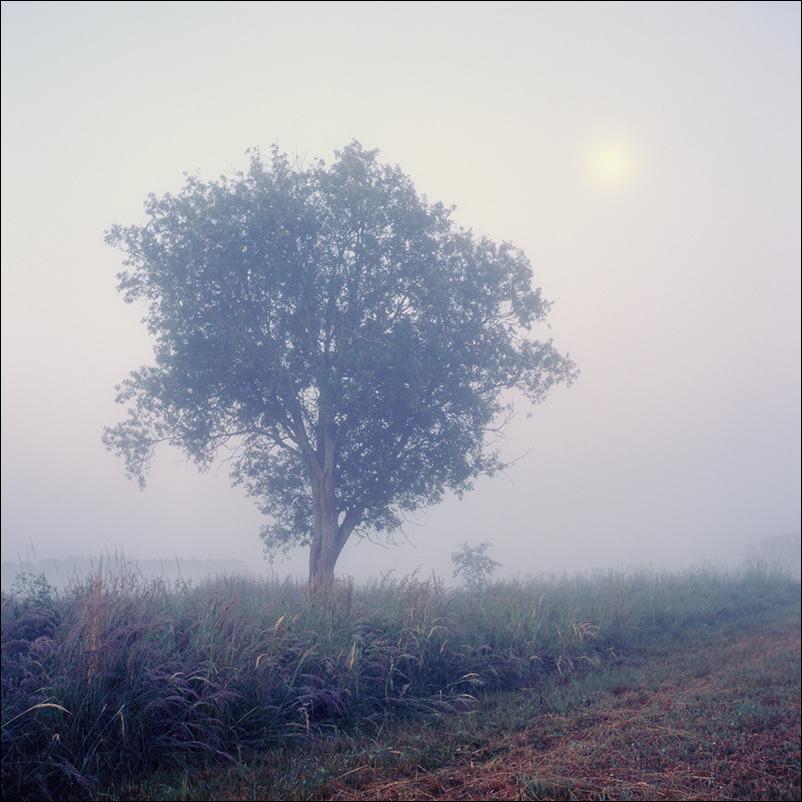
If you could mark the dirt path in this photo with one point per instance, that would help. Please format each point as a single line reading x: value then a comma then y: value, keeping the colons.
x: 708, y: 721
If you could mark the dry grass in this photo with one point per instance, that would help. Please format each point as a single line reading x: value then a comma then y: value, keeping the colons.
x: 678, y: 728
x: 636, y: 686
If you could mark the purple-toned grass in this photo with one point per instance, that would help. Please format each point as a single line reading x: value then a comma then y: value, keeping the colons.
x: 119, y: 676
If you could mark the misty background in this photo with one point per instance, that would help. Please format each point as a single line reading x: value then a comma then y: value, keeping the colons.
x: 645, y: 156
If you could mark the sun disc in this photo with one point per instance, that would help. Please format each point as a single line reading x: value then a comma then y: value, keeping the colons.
x: 610, y: 165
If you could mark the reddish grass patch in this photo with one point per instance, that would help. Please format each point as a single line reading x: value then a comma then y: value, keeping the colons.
x: 709, y: 722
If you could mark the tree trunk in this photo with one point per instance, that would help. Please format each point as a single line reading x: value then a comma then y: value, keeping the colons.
x: 328, y: 537
x: 323, y: 554
x: 330, y: 534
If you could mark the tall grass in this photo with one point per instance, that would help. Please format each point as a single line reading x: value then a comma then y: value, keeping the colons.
x: 118, y: 676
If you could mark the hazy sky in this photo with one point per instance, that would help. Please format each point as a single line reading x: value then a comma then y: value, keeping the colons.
x: 646, y: 156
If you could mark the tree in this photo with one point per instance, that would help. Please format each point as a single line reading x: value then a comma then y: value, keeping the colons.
x: 337, y: 333
x: 474, y: 565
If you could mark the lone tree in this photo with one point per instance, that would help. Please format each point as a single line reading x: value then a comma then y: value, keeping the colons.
x: 474, y: 565
x: 336, y: 333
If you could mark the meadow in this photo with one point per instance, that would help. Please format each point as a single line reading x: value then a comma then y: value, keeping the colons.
x: 630, y: 685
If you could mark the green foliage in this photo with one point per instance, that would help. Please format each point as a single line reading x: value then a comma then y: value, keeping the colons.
x: 337, y: 333
x: 32, y: 589
x: 474, y: 565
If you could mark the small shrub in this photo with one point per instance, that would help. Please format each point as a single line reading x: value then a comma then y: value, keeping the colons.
x: 474, y: 565
x: 32, y: 589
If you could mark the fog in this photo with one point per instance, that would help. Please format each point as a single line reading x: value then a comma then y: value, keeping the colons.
x: 645, y: 156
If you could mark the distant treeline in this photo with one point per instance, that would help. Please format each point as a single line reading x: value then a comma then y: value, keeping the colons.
x: 783, y: 553
x: 780, y: 553
x: 62, y: 572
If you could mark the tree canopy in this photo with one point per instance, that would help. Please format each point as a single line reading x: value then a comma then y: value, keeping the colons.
x: 337, y: 333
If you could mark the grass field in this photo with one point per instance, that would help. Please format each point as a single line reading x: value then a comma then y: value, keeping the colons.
x: 618, y: 686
